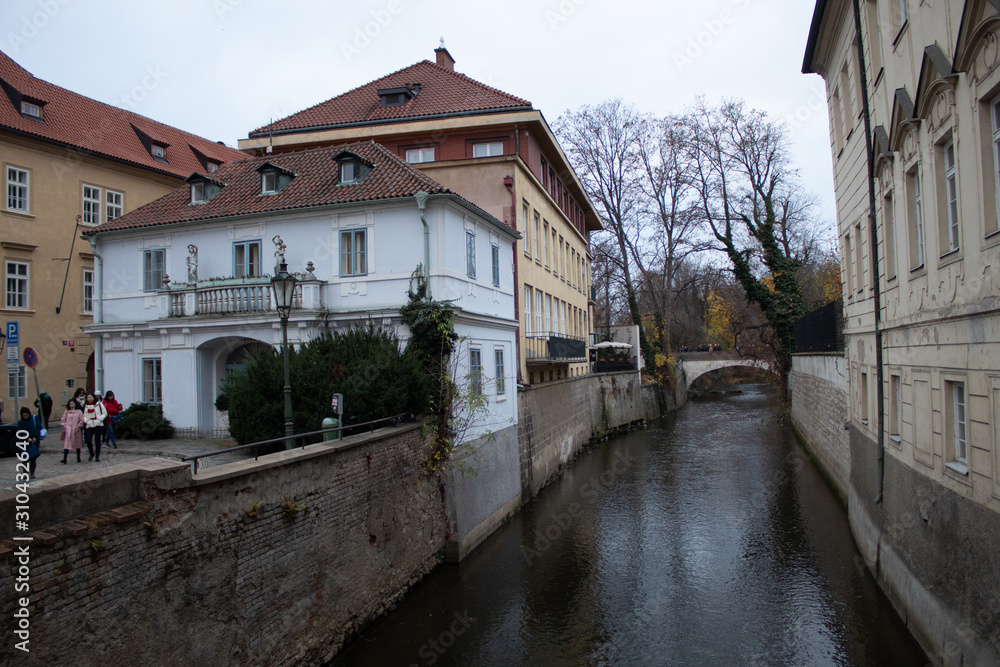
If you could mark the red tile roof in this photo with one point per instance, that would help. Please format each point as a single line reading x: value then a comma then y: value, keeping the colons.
x: 442, y: 92
x: 74, y: 120
x: 315, y: 184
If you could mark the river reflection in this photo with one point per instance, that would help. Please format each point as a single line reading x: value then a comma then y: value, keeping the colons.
x: 706, y: 539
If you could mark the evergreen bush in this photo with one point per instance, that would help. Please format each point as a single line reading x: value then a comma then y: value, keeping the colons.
x: 144, y: 421
x: 363, y: 363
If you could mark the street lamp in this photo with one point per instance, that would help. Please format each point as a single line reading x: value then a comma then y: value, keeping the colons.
x: 283, y: 287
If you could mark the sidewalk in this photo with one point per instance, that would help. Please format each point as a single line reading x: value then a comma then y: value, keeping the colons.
x: 129, y: 451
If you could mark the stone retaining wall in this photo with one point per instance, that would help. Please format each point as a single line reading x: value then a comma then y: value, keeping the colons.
x: 818, y: 390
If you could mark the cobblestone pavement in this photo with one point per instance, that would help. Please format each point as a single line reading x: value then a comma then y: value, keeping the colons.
x: 129, y: 451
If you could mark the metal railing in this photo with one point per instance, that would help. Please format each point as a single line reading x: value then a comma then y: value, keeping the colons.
x: 821, y: 330
x: 551, y: 346
x: 299, y: 437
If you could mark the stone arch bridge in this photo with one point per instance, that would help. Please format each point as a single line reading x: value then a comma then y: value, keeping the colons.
x: 696, y: 364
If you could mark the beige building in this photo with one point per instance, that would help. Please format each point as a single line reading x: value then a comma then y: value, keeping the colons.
x: 70, y: 162
x: 498, y: 152
x: 928, y: 520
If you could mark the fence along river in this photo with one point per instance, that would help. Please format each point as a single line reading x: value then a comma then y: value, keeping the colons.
x: 707, y: 539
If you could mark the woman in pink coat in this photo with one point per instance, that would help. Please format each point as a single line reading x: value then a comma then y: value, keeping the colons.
x: 72, y: 423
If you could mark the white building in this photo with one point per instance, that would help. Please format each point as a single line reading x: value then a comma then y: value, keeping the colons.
x: 184, y: 282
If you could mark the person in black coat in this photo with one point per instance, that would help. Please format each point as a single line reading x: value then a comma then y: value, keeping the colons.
x: 45, y: 409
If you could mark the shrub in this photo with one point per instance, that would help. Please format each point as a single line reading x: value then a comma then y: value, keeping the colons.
x: 363, y: 363
x: 144, y: 421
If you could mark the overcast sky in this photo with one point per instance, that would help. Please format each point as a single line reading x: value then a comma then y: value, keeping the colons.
x: 221, y: 68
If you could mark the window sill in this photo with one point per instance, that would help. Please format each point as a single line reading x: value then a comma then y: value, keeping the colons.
x: 17, y: 311
x: 960, y: 468
x: 19, y: 214
x: 950, y: 257
x: 918, y: 271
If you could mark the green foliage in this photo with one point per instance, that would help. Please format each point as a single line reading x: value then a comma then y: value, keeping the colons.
x: 144, y: 421
x: 363, y: 363
x: 255, y: 509
x: 290, y: 508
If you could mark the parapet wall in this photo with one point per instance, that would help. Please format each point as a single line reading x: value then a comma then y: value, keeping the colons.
x: 254, y: 563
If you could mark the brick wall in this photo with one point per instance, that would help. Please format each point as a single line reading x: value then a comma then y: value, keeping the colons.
x: 184, y: 575
x: 818, y: 390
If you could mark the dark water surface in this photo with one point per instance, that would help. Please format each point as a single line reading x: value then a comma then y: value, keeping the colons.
x: 708, y: 539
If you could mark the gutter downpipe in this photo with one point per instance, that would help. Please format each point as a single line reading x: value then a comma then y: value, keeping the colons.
x: 508, y: 182
x: 98, y: 315
x: 421, y: 198
x: 879, y: 372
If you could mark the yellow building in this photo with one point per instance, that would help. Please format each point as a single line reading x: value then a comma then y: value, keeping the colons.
x: 70, y: 162
x: 498, y: 152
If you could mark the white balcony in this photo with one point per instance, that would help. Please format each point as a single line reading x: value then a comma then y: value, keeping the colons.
x: 233, y: 297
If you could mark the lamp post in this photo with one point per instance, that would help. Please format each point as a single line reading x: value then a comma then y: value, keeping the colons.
x: 283, y: 288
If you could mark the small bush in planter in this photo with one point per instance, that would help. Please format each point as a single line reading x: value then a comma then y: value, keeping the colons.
x: 144, y: 421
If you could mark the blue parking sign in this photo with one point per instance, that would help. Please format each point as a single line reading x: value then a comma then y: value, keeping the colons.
x: 11, y: 333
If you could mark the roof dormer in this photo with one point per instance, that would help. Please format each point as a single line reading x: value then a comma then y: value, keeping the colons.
x: 398, y: 96
x: 351, y: 167
x: 273, y: 178
x: 157, y: 149
x: 29, y: 107
x: 203, y: 188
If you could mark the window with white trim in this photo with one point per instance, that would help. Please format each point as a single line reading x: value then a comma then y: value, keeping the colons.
x: 548, y: 313
x: 199, y: 194
x: 151, y: 381
x: 495, y: 262
x: 993, y: 222
x: 470, y: 254
x: 527, y: 310
x: 950, y: 217
x: 268, y: 182
x: 889, y: 231
x: 153, y: 262
x: 17, y: 382
x: 538, y: 252
x: 158, y: 152
x: 114, y: 205
x: 957, y: 454
x: 420, y: 155
x: 17, y: 285
x: 354, y: 252
x: 487, y: 149
x: 895, y: 406
x: 91, y: 205
x: 476, y: 371
x: 88, y: 291
x: 246, y: 259
x: 526, y: 242
x: 30, y: 109
x: 539, y: 310
x: 915, y: 218
x: 500, y: 372
x: 18, y: 181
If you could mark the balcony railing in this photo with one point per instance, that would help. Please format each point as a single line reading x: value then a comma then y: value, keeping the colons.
x: 231, y: 297
x: 551, y: 347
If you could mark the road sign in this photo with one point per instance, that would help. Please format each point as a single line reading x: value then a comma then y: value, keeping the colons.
x: 337, y: 403
x: 14, y: 353
x: 30, y: 357
x: 13, y: 364
x: 11, y: 333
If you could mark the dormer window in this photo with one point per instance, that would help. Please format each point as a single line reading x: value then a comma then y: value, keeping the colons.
x: 268, y: 183
x: 398, y: 96
x: 198, y: 193
x: 31, y: 109
x: 351, y: 168
x: 273, y: 178
x: 203, y: 188
x: 158, y: 152
x: 213, y: 166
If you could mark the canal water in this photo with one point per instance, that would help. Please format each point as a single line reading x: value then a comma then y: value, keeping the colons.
x: 705, y: 539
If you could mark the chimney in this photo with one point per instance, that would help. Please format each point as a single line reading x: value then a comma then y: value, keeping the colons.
x: 444, y: 58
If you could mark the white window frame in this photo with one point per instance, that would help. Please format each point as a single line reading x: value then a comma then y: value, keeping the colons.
x: 487, y: 149
x: 17, y: 285
x: 152, y: 381
x: 18, y: 189
x: 995, y: 120
x: 951, y: 194
x: 158, y: 151
x: 114, y: 205
x: 348, y: 172
x: 91, y: 195
x: 247, y: 268
x: 500, y: 372
x: 889, y: 231
x: 895, y: 407
x: 353, y: 260
x: 495, y: 263
x: 268, y: 182
x: 548, y: 314
x: 956, y: 426
x: 470, y: 254
x: 916, y: 201
x: 31, y: 109
x: 17, y: 381
x: 539, y: 310
x: 527, y: 310
x: 88, y: 290
x: 420, y: 155
x: 538, y: 252
x: 152, y: 276
x: 476, y: 370
x: 199, y: 192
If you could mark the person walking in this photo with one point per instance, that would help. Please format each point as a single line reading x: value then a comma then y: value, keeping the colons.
x: 99, y: 400
x: 45, y: 408
x: 93, y: 420
x: 80, y: 396
x: 72, y: 423
x: 114, y: 409
x: 29, y: 423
